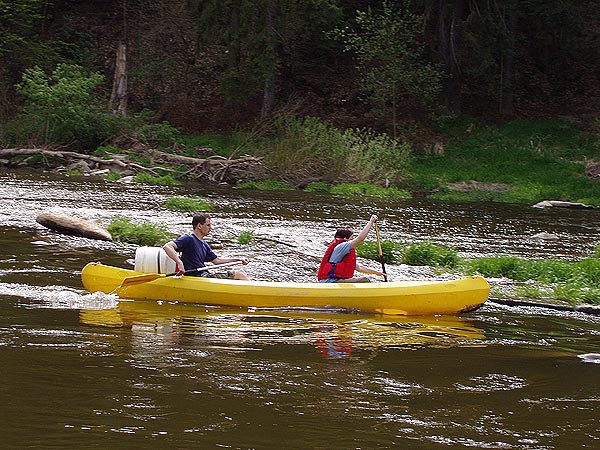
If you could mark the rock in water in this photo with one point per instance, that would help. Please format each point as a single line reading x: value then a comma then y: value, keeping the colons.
x: 545, y: 236
x: 593, y: 358
x: 73, y: 226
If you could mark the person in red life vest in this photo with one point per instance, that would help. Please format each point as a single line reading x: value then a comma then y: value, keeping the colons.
x: 339, y: 263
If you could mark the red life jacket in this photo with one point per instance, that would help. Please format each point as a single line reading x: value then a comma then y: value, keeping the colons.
x: 343, y: 269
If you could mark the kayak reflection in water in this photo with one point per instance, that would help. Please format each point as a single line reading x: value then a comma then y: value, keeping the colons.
x: 339, y: 262
x: 195, y: 251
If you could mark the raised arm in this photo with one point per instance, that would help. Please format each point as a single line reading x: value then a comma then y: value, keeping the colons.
x: 363, y: 234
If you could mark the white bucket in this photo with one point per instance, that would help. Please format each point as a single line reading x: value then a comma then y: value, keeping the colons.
x: 153, y: 260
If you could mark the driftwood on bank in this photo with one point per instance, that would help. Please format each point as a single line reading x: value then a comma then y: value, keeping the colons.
x: 211, y: 168
x: 116, y: 163
x: 73, y: 226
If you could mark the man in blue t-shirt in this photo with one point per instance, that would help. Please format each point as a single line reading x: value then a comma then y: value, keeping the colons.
x: 195, y: 251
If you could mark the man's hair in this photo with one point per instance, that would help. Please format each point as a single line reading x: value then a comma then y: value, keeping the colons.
x: 343, y: 233
x: 199, y: 219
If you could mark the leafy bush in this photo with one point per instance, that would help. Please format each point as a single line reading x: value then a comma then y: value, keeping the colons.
x: 370, y: 250
x: 112, y: 176
x: 319, y: 187
x: 123, y: 230
x: 429, y: 254
x: 165, y: 180
x: 159, y: 134
x: 63, y: 108
x: 584, y: 273
x: 245, y: 237
x: 188, y: 204
x: 308, y: 148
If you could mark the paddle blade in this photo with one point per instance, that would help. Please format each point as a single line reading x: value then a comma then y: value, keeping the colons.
x: 138, y: 279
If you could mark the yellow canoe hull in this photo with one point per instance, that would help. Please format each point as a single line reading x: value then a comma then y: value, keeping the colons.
x: 402, y: 298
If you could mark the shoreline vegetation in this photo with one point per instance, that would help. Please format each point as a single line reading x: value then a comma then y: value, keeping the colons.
x: 523, y: 161
x: 63, y: 125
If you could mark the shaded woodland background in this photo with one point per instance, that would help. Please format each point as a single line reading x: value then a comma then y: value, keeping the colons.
x: 221, y: 65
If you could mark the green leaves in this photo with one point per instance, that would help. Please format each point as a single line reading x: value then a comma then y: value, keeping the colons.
x: 63, y: 108
x: 391, y: 54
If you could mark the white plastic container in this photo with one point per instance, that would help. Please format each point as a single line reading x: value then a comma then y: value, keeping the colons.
x: 153, y: 260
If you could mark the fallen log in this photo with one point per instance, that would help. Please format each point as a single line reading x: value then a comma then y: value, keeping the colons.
x: 213, y: 168
x: 115, y: 162
x: 73, y: 226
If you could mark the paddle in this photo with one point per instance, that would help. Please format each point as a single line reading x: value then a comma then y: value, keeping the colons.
x: 380, y: 252
x: 138, y: 279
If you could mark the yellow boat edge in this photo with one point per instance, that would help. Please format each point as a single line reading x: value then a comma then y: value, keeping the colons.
x: 401, y: 298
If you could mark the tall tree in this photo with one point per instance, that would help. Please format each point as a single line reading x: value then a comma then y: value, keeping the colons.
x: 450, y: 21
x: 391, y: 55
x: 262, y: 38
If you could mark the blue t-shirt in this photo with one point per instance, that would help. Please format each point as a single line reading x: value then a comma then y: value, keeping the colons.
x: 339, y: 252
x: 194, y: 252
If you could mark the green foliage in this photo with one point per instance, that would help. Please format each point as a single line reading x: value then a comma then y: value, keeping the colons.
x: 162, y: 135
x: 367, y: 189
x: 429, y: 254
x: 585, y: 272
x: 223, y: 145
x: 257, y: 38
x: 266, y: 185
x: 188, y: 204
x: 391, y: 53
x: 123, y: 230
x: 63, y: 108
x: 245, y: 237
x: 165, y: 180
x: 312, y: 148
x: 531, y: 156
x: 531, y: 291
x: 112, y: 176
x: 319, y: 187
x: 370, y: 250
x: 21, y: 43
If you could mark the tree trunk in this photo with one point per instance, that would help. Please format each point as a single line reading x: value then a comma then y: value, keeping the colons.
x: 508, y: 75
x: 451, y: 16
x: 271, y: 56
x: 118, y: 97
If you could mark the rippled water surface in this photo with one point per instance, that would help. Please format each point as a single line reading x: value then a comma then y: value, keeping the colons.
x: 83, y: 370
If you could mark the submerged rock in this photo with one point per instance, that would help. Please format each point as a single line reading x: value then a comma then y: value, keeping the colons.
x: 73, y: 226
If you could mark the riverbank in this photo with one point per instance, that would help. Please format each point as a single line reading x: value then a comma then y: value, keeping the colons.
x: 524, y: 161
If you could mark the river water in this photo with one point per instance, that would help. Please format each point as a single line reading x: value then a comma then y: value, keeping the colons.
x: 85, y: 370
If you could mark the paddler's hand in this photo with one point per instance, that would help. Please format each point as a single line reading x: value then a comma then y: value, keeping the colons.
x: 373, y: 218
x: 180, y: 268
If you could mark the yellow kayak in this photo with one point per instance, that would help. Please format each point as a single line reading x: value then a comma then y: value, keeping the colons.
x: 402, y: 298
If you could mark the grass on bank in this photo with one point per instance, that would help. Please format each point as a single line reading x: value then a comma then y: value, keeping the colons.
x: 121, y: 229
x: 574, y: 282
x: 536, y: 159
